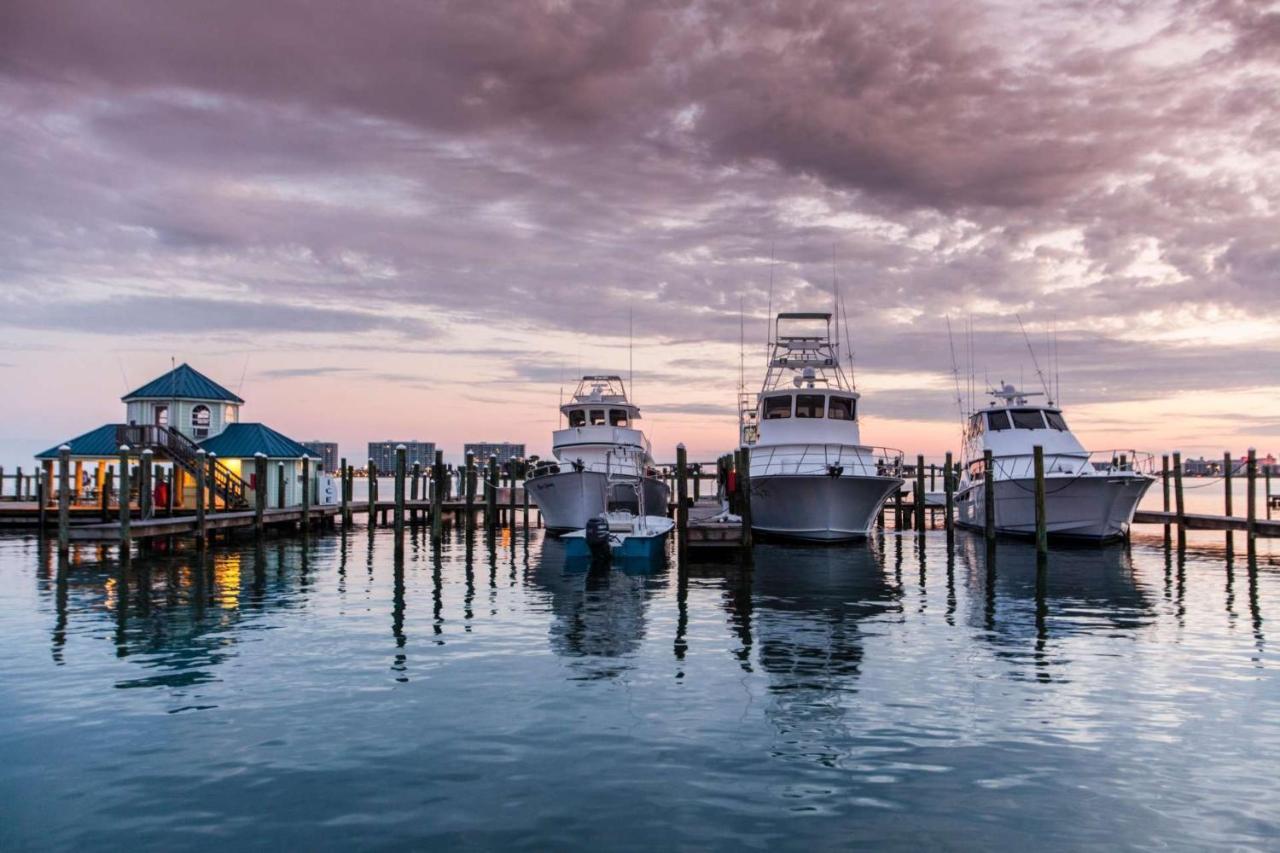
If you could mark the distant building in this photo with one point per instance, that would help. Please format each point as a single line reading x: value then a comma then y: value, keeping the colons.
x: 1199, y: 467
x: 328, y: 453
x: 505, y: 451
x: 383, y: 453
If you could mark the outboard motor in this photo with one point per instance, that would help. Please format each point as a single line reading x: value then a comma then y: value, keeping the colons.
x: 597, y: 535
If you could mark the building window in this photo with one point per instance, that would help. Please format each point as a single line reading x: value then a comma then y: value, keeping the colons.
x: 200, y: 417
x: 230, y: 416
x: 776, y: 408
x: 162, y: 416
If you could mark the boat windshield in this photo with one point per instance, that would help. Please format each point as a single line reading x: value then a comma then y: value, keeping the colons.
x: 1056, y: 421
x: 597, y: 417
x: 1027, y: 419
x: 809, y: 405
x: 618, y: 417
x: 998, y: 420
x: 778, y: 407
x: 577, y: 418
x: 841, y: 408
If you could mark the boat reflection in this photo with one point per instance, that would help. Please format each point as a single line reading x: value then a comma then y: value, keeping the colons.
x: 598, y: 609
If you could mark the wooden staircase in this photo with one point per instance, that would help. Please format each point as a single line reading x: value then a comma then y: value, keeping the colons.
x: 182, y: 451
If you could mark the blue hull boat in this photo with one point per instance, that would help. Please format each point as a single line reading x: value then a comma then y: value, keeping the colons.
x: 630, y: 538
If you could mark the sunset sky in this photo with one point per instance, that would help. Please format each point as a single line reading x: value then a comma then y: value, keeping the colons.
x: 421, y: 220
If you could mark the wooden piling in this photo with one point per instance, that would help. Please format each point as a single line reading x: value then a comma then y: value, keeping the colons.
x: 989, y: 495
x: 280, y: 486
x: 491, y: 496
x: 438, y: 492
x: 398, y: 515
x: 897, y: 508
x: 345, y: 496
x: 511, y: 494
x: 259, y: 493
x: 1251, y: 497
x: 201, y: 528
x: 1179, y: 507
x: 126, y: 535
x: 1164, y: 484
x: 469, y: 487
x: 1266, y: 470
x: 919, y: 494
x: 682, y: 493
x: 211, y: 481
x: 42, y: 501
x: 372, y: 479
x: 949, y: 489
x: 414, y: 479
x: 146, y: 497
x: 64, y: 498
x: 1226, y: 492
x: 306, y: 494
x: 108, y: 483
x: 1042, y: 521
x: 524, y: 493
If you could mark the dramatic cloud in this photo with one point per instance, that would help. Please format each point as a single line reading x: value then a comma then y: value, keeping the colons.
x: 455, y: 193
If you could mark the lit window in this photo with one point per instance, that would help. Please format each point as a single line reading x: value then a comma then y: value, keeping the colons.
x: 230, y: 414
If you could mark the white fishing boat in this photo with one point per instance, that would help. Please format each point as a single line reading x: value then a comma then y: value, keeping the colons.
x: 1088, y: 495
x: 603, y: 462
x: 812, y: 478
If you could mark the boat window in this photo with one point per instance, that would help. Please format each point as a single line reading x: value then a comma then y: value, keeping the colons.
x: 1056, y: 421
x: 810, y: 405
x: 1027, y: 419
x: 776, y: 408
x: 842, y: 408
x: 618, y: 417
x: 577, y: 418
x: 597, y: 417
x: 998, y: 420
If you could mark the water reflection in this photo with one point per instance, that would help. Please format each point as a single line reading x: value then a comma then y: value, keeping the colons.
x: 598, y: 610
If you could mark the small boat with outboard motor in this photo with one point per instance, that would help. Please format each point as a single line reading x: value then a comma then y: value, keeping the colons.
x: 620, y: 535
x: 1088, y: 495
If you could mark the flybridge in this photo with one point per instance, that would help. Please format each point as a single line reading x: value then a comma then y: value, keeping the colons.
x: 799, y: 346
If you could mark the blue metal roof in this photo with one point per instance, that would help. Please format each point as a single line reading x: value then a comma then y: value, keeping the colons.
x: 99, y: 443
x: 242, y: 441
x: 184, y: 382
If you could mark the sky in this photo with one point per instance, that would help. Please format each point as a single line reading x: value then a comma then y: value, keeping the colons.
x: 422, y: 220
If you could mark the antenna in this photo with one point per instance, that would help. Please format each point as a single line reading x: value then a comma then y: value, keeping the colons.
x: 1057, y: 367
x: 853, y: 379
x: 243, y: 371
x: 631, y: 359
x: 1043, y: 384
x: 955, y: 373
x: 768, y: 320
x: 835, y: 294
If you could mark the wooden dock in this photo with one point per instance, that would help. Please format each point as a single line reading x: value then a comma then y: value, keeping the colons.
x: 1264, y: 528
x: 703, y: 532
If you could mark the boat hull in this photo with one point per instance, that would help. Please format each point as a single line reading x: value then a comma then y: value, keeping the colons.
x: 566, y: 500
x: 818, y: 508
x: 1085, y: 508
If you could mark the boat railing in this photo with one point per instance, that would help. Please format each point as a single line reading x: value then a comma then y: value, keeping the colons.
x: 832, y: 460
x: 1018, y: 466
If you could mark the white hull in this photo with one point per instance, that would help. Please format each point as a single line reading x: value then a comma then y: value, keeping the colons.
x: 1094, y: 507
x: 818, y: 508
x: 566, y: 500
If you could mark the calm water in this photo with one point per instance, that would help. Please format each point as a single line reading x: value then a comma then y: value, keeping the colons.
x: 317, y: 697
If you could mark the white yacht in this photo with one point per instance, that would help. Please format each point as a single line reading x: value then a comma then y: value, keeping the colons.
x: 1087, y: 495
x: 812, y: 478
x: 603, y: 462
